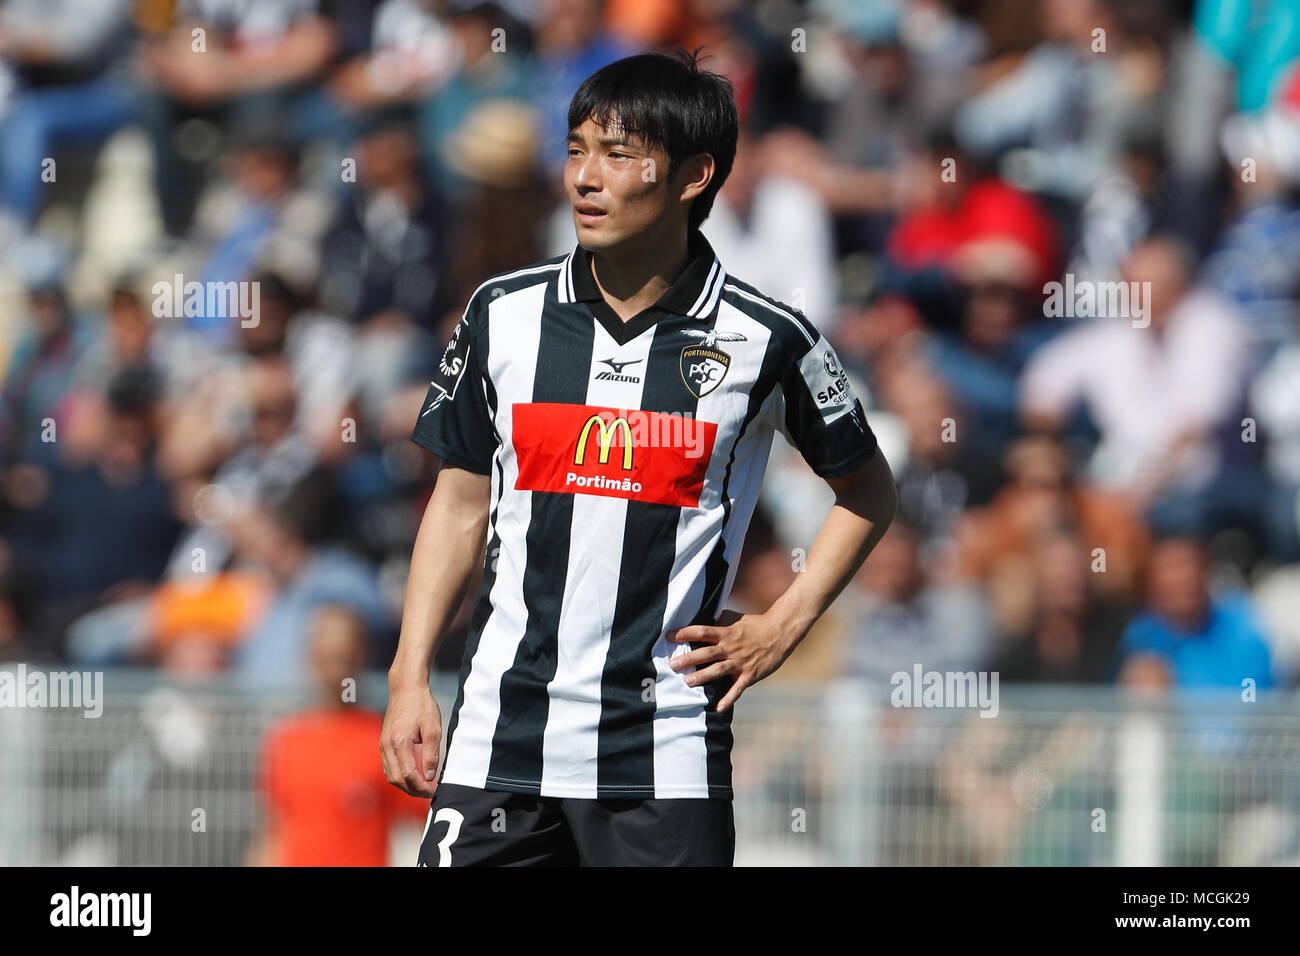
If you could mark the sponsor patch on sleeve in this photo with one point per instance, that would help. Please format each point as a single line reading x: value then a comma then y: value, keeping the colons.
x: 451, y: 367
x: 827, y: 381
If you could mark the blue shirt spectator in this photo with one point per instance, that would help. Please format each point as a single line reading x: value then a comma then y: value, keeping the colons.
x: 276, y: 648
x: 1226, y: 649
x: 571, y: 45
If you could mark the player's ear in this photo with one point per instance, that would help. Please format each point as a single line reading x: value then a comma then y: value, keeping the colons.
x: 696, y: 174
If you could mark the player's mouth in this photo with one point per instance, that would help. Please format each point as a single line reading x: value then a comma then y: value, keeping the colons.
x: 588, y: 214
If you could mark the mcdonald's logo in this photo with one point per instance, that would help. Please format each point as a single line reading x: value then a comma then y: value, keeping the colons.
x: 542, y: 435
x: 604, y: 440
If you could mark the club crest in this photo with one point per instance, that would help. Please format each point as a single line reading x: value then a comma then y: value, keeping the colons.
x: 704, y: 366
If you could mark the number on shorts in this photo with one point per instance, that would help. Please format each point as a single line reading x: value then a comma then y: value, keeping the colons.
x: 453, y: 818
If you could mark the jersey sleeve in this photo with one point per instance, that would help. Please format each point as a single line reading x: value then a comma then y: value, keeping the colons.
x: 455, y: 422
x: 819, y: 414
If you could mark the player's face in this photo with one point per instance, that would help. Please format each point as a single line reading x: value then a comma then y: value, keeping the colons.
x: 617, y: 187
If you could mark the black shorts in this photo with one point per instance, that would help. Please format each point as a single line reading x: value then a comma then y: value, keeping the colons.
x: 472, y: 827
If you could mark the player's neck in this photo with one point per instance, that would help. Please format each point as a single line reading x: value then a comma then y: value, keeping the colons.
x: 631, y: 283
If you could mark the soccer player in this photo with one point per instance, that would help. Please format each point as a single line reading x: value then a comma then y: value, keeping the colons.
x: 604, y: 420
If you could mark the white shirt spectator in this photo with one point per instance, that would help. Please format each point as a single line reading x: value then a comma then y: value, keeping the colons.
x: 786, y: 249
x: 1144, y: 389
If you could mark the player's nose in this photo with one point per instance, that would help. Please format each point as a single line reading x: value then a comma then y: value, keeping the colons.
x: 586, y: 175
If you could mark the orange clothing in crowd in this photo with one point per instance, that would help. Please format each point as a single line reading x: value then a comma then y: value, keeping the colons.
x: 329, y: 802
x: 215, y: 607
x: 647, y: 23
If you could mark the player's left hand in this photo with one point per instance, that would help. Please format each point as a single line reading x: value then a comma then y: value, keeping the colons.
x: 747, y: 647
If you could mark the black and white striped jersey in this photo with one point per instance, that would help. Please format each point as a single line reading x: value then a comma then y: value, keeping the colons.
x: 625, y: 459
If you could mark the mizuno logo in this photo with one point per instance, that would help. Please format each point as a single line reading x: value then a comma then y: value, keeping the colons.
x: 617, y: 375
x: 618, y: 366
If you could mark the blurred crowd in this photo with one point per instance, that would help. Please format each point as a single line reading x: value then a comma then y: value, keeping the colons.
x: 1086, y: 499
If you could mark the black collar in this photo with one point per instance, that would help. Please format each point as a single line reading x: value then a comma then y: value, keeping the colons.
x: 694, y: 292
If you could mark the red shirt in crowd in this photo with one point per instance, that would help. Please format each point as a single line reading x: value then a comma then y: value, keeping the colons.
x: 990, y: 209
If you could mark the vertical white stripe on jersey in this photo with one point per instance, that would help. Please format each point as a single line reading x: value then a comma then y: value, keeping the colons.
x: 570, y: 745
x: 514, y: 330
x: 681, y: 760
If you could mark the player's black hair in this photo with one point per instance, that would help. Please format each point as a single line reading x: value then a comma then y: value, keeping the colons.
x: 666, y: 101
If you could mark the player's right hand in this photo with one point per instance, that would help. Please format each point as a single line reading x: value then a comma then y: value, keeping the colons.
x: 411, y: 739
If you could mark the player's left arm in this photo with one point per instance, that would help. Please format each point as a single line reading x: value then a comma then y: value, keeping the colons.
x: 749, y: 647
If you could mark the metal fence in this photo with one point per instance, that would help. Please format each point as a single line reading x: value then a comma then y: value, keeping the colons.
x: 826, y: 776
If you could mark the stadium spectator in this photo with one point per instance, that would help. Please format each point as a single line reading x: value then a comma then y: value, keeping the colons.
x: 72, y: 89
x: 1157, y: 392
x: 39, y: 372
x: 1137, y: 197
x: 326, y: 799
x: 950, y: 208
x: 571, y: 44
x: 1259, y: 45
x: 99, y: 528
x: 492, y: 66
x: 229, y: 62
x: 409, y: 52
x: 900, y: 617
x: 1202, y: 641
x: 948, y: 468
x: 982, y: 360
x: 1056, y: 112
x: 150, y: 461
x: 236, y: 435
x: 193, y: 625
x: 1066, y: 630
x: 383, y: 254
x: 996, y: 543
x: 1252, y: 263
x: 496, y: 151
x: 774, y: 227
x: 894, y: 85
x: 290, y: 536
x: 259, y: 217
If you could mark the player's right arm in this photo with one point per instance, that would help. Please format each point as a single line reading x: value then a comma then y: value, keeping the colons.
x: 456, y: 425
x: 448, y: 550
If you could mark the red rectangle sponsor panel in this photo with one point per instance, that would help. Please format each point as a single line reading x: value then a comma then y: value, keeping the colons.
x: 656, y: 457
